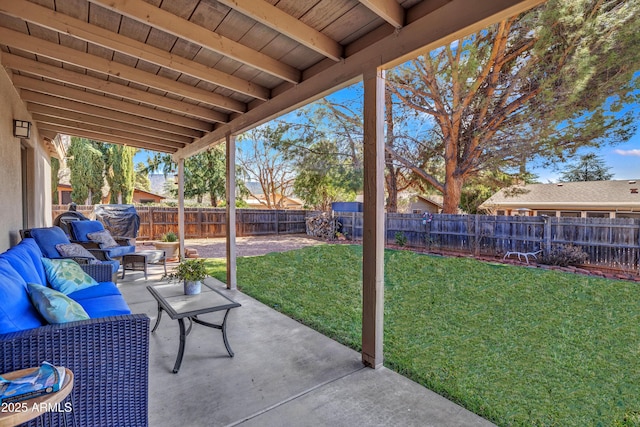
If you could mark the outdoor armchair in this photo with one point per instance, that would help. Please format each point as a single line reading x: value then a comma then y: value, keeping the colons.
x: 92, y: 235
x: 50, y: 239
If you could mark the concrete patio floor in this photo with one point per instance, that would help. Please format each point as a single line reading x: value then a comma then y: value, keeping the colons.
x: 283, y: 374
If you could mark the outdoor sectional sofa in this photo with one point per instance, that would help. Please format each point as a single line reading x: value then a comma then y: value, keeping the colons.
x: 108, y: 354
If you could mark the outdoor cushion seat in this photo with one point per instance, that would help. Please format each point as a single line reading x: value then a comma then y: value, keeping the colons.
x: 105, y: 289
x: 103, y: 306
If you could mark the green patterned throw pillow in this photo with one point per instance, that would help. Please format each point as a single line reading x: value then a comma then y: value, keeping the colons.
x: 66, y: 275
x: 55, y: 306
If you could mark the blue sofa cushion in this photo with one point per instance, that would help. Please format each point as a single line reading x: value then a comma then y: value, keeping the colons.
x: 47, y: 239
x: 66, y: 276
x: 119, y: 251
x: 16, y: 311
x: 25, y: 260
x: 103, y: 289
x: 108, y: 305
x: 82, y: 228
x: 55, y: 306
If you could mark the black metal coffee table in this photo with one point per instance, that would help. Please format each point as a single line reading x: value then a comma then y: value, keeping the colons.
x: 171, y: 298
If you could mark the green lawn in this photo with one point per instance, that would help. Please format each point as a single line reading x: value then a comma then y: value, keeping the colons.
x: 519, y: 346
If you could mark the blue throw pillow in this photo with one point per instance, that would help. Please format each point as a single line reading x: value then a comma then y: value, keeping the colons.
x: 81, y: 228
x: 66, y: 275
x: 55, y: 306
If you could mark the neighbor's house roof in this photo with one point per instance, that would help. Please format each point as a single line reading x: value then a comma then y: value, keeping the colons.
x: 177, y: 76
x: 598, y: 195
x: 137, y: 193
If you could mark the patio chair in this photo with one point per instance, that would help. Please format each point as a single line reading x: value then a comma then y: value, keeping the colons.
x: 93, y: 236
x: 54, y: 244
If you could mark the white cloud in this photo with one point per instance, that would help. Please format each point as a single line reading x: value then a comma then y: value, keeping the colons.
x: 628, y: 152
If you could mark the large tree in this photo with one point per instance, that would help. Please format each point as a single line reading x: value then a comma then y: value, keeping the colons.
x: 324, y: 144
x: 86, y: 163
x: 119, y: 172
x: 204, y: 173
x: 538, y: 85
x: 262, y: 163
x: 590, y: 167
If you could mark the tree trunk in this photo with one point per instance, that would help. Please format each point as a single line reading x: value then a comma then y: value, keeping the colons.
x: 452, y: 194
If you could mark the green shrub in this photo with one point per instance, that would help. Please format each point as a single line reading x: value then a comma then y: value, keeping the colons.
x: 170, y: 237
x: 401, y: 239
x: 565, y: 255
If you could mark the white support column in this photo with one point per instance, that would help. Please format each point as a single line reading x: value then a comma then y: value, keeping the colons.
x: 373, y: 228
x: 231, y: 212
x: 181, y: 229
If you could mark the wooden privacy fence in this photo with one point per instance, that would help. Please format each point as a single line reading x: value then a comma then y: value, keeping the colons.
x: 209, y: 222
x: 612, y: 243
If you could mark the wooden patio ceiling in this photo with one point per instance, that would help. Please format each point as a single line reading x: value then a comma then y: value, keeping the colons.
x: 179, y: 75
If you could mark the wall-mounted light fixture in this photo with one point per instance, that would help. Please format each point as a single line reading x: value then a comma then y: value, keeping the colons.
x: 21, y: 128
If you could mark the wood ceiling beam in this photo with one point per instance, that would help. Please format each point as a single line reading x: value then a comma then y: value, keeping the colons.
x: 389, y: 10
x: 82, y: 30
x: 272, y: 17
x: 149, y: 14
x: 444, y: 25
x: 71, y: 56
x: 34, y: 98
x: 104, y: 130
x: 83, y: 133
x: 62, y: 75
x: 47, y: 134
x: 100, y: 121
x: 106, y: 102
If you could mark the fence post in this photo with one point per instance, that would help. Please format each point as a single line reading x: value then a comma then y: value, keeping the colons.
x: 547, y: 235
x: 477, y: 234
x: 277, y: 221
x: 353, y: 225
x: 151, y: 235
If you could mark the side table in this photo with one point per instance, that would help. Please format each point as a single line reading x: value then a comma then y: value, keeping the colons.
x: 26, y: 410
x: 138, y: 261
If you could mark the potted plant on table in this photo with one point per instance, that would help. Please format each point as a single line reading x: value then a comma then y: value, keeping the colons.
x: 170, y: 245
x: 192, y: 272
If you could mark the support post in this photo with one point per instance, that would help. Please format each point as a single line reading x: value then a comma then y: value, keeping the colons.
x: 181, y: 229
x: 231, y: 211
x: 373, y: 227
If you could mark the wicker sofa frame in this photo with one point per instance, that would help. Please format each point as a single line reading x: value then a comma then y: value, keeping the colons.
x: 109, y: 357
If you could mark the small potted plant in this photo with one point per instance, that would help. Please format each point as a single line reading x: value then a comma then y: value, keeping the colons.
x: 170, y: 245
x: 192, y: 272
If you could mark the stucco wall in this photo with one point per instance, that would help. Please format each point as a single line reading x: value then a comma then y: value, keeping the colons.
x: 38, y: 170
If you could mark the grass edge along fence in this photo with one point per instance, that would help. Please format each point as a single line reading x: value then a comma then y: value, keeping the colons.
x: 609, y: 243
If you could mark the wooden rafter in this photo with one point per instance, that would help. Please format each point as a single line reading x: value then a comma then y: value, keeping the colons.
x: 82, y: 30
x: 60, y: 113
x: 105, y: 130
x: 106, y: 102
x: 19, y: 63
x: 179, y: 27
x: 286, y: 24
x: 35, y: 98
x: 92, y: 62
x: 66, y: 130
x: 389, y: 10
